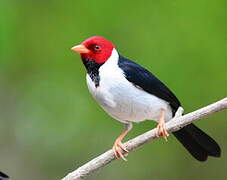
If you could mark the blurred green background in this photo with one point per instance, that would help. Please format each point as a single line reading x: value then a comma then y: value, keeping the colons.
x: 49, y: 123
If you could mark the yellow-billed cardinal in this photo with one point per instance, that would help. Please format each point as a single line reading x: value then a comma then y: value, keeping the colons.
x: 130, y: 93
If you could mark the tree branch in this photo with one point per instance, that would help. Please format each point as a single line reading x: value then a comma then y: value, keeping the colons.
x: 175, y: 124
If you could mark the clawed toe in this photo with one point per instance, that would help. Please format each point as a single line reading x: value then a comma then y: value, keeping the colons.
x: 118, y: 148
x: 161, y: 128
x: 161, y: 131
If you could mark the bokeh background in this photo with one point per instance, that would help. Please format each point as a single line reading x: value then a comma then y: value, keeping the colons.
x: 49, y: 123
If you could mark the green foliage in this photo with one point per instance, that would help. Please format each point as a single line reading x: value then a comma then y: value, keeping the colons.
x: 49, y: 123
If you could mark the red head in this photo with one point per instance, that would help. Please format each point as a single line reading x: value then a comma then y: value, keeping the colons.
x: 95, y: 48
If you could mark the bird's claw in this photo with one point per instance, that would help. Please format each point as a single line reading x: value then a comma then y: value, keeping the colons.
x: 118, y: 147
x: 161, y: 131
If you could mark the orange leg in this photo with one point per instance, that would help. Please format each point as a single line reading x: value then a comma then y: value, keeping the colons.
x: 161, y: 129
x: 118, y: 147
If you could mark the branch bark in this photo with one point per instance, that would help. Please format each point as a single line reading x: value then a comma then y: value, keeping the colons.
x: 175, y: 124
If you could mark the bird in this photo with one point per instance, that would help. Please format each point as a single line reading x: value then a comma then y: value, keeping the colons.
x: 131, y: 94
x: 3, y: 176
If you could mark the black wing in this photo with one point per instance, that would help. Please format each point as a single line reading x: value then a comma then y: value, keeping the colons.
x: 141, y: 77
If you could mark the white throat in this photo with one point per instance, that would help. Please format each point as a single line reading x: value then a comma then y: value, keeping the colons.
x: 114, y: 56
x: 111, y: 65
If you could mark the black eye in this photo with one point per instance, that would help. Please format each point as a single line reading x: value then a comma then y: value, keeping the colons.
x: 97, y: 47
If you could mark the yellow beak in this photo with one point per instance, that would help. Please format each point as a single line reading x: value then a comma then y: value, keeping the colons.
x: 80, y: 49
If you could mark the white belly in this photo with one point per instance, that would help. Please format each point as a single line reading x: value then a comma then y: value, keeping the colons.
x: 122, y: 100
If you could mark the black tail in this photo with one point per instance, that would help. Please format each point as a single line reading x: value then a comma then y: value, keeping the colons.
x: 197, y: 142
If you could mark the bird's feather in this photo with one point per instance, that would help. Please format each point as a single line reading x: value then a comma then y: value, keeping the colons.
x: 3, y: 176
x: 197, y: 142
x: 145, y: 80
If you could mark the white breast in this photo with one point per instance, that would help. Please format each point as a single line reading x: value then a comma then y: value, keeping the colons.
x: 121, y: 99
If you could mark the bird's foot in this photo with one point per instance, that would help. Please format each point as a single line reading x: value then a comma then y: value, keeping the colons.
x: 161, y: 130
x: 118, y: 148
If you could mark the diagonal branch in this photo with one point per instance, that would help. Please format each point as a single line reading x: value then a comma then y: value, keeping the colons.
x: 173, y: 125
